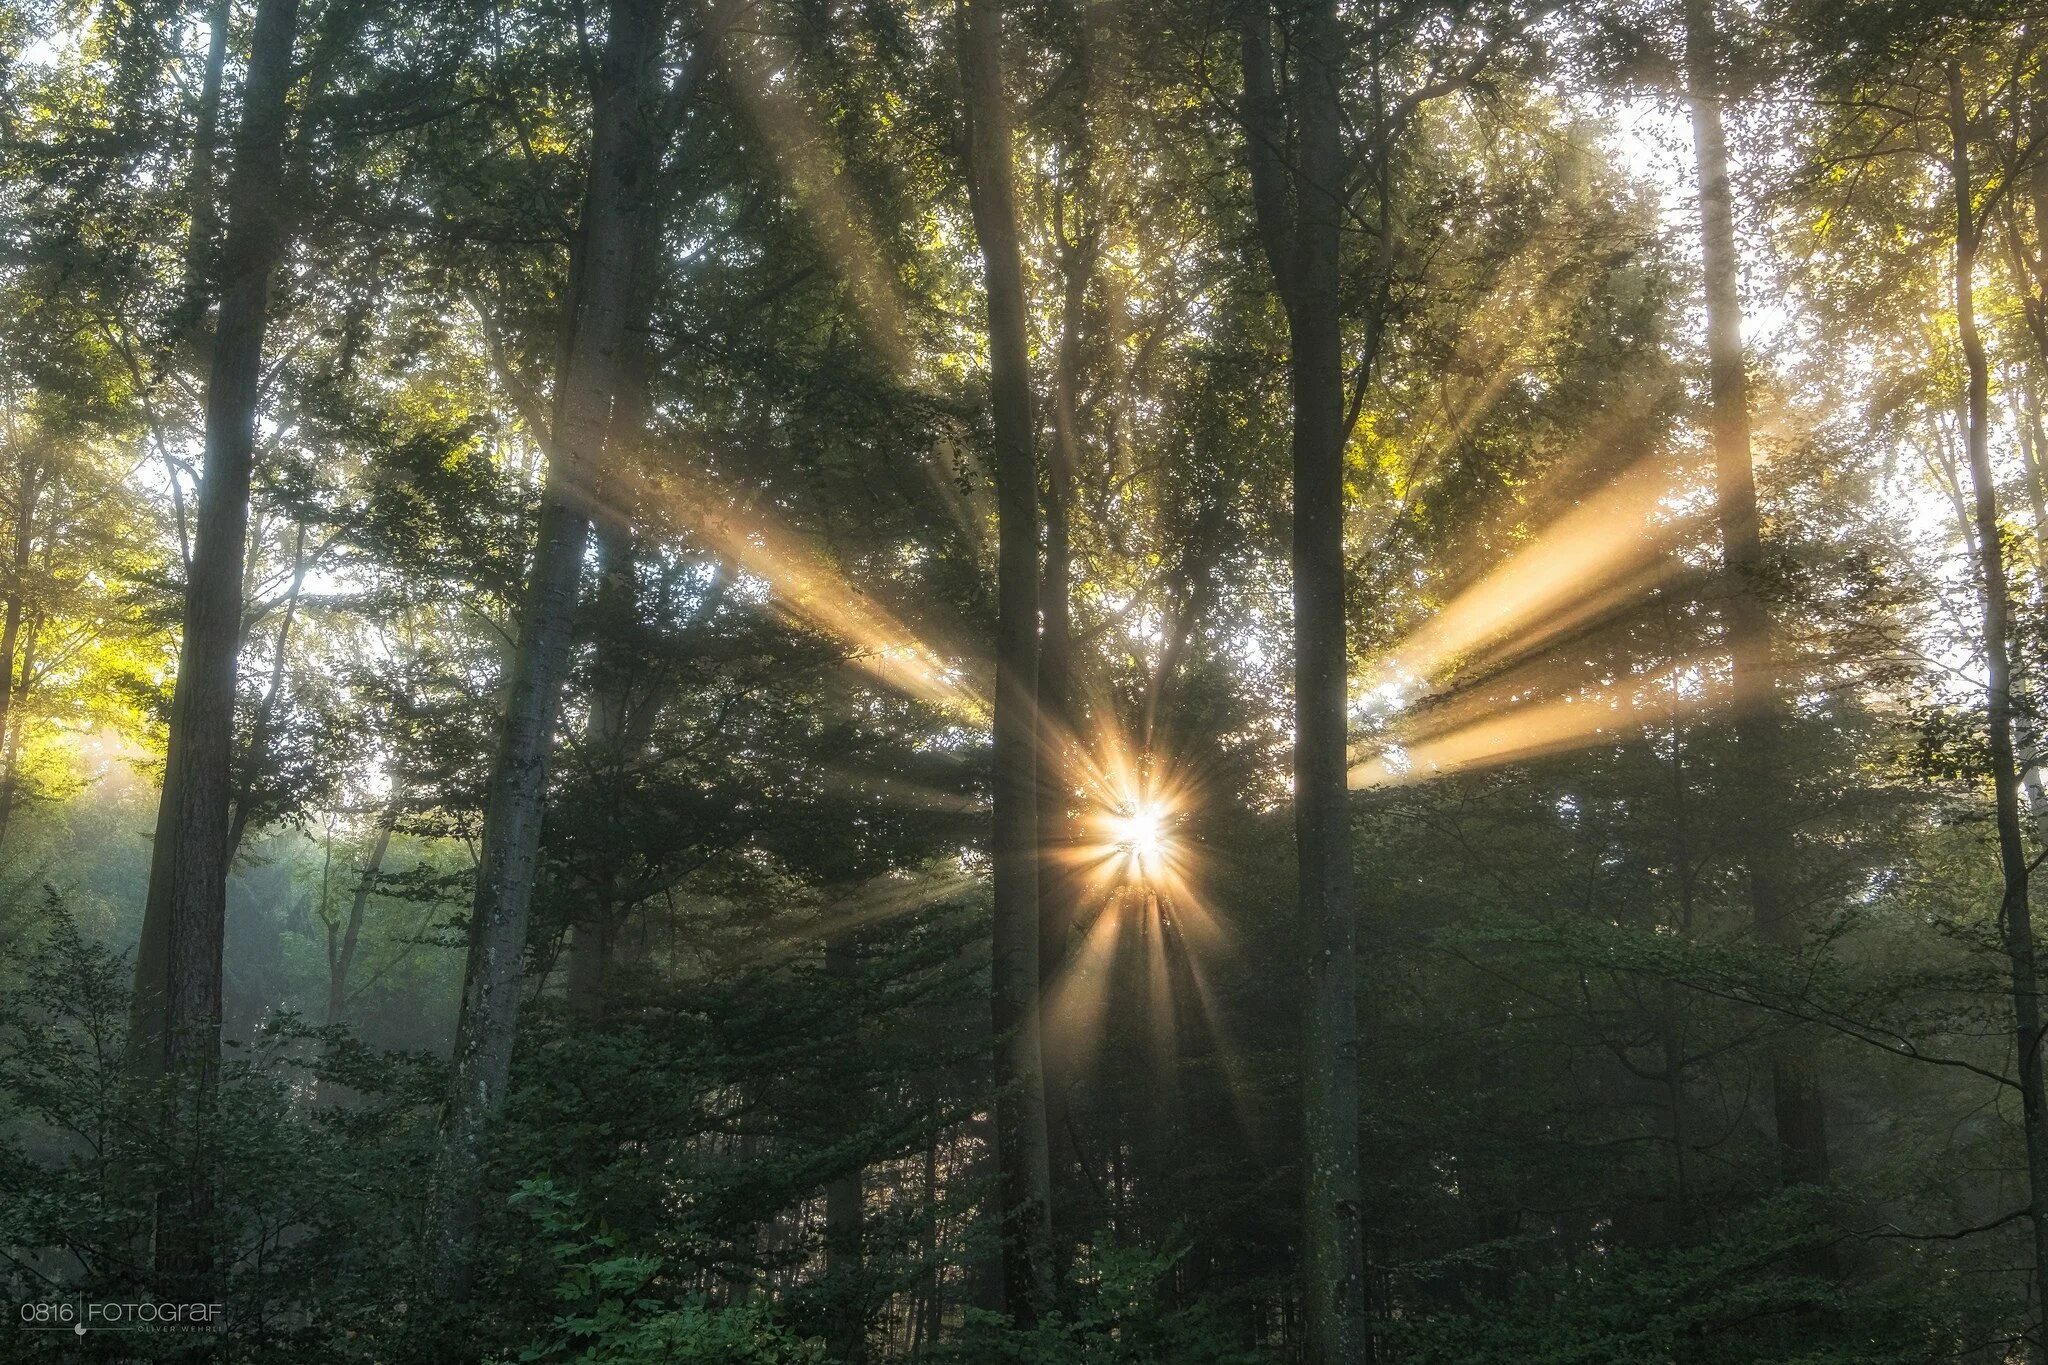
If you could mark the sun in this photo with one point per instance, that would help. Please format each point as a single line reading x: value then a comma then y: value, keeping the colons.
x: 1140, y: 832
x: 1132, y: 825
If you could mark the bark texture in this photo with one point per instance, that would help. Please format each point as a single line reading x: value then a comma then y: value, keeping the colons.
x: 1058, y: 708
x: 1023, y: 1158
x: 623, y: 163
x: 174, y: 1024
x: 176, y: 1010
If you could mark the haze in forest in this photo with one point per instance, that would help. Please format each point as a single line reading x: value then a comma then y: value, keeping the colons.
x: 1196, y: 683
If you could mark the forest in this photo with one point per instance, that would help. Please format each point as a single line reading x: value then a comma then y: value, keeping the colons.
x: 1129, y: 682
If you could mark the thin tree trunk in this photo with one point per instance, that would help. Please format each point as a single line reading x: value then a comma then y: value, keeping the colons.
x: 10, y: 751
x: 1299, y: 213
x: 845, y: 1202
x: 12, y: 668
x: 175, y: 1020
x: 930, y: 1306
x: 1023, y: 1158
x: 343, y: 940
x: 2014, y: 913
x: 1759, y: 778
x: 204, y: 218
x: 615, y: 607
x: 623, y: 162
x: 1057, y: 881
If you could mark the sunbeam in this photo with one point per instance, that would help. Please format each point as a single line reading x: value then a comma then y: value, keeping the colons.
x: 878, y: 901
x: 760, y: 75
x: 1588, y: 716
x: 1612, y: 548
x: 804, y: 584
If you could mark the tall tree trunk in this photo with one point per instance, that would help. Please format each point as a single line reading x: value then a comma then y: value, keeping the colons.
x: 188, y: 875
x: 1023, y: 1157
x: 1058, y: 884
x: 615, y: 606
x: 845, y: 1201
x: 1299, y: 213
x: 2015, y: 916
x: 175, y: 1020
x: 14, y: 672
x: 1759, y: 777
x: 623, y: 165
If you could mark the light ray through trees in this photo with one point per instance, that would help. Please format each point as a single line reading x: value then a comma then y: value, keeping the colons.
x: 1474, y: 681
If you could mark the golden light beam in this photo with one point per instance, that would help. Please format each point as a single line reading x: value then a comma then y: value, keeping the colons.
x: 805, y: 585
x: 761, y: 75
x: 1518, y: 312
x: 1158, y: 977
x: 1079, y: 1000
x: 761, y: 72
x: 1613, y: 714
x: 1617, y: 539
x: 882, y: 899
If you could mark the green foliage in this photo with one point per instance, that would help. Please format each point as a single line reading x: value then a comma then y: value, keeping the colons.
x: 312, y: 1195
x: 1738, y: 1297
x: 1119, y: 1310
x: 613, y: 1312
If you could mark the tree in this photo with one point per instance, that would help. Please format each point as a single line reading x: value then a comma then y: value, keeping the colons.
x: 1300, y: 208
x: 1023, y: 1155
x: 2015, y: 912
x: 176, y: 1023
x: 623, y: 158
x: 1798, y: 1109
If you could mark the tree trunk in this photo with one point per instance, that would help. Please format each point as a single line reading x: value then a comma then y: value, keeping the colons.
x: 1058, y: 886
x: 1299, y: 213
x: 845, y: 1202
x: 10, y: 748
x: 623, y: 163
x: 175, y: 1018
x: 1022, y: 1155
x: 341, y: 949
x: 2014, y: 913
x: 1759, y: 779
x: 188, y: 874
x: 203, y: 218
x: 616, y: 608
x: 28, y: 493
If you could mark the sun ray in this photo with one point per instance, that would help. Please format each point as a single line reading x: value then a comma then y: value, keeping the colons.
x: 884, y: 898
x: 805, y: 585
x: 1615, y: 544
x: 1079, y: 1001
x: 1622, y: 710
x: 760, y: 75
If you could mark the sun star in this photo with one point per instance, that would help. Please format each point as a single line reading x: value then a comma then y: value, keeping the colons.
x: 1141, y: 833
